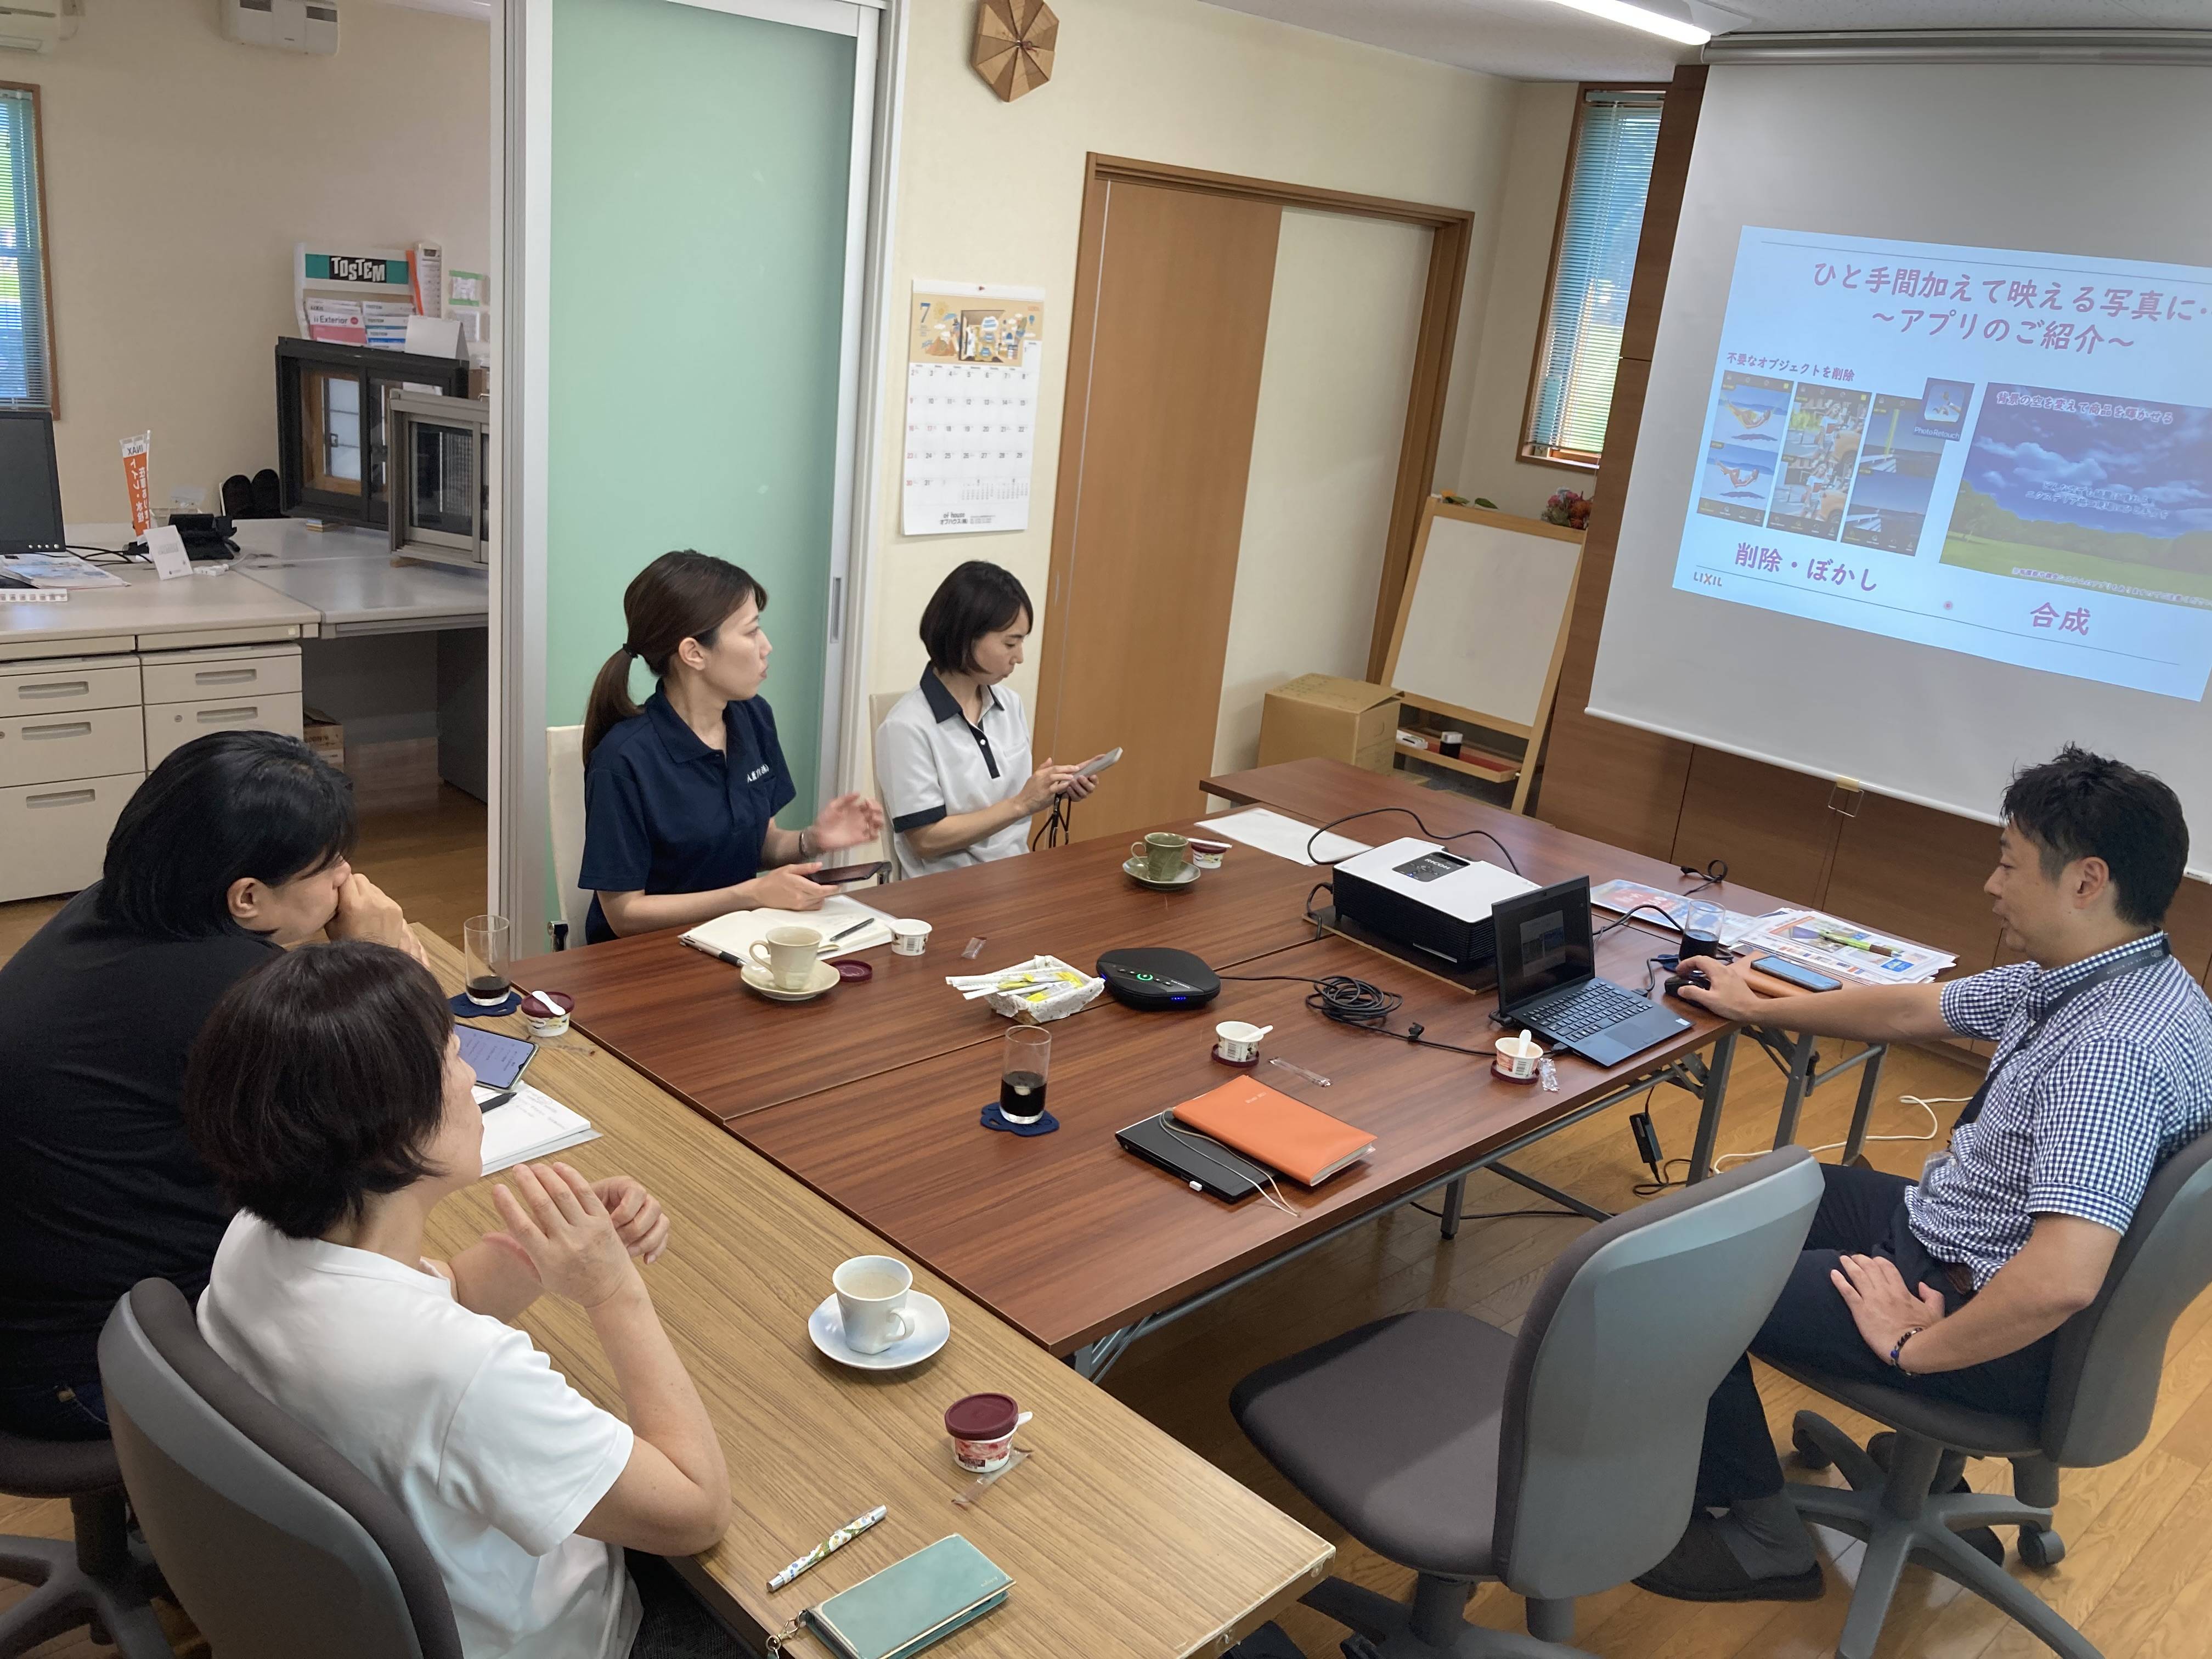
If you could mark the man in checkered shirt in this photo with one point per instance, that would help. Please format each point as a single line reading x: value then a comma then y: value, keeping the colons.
x: 1955, y: 1285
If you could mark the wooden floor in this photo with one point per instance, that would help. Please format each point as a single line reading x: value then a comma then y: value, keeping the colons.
x: 2135, y: 1578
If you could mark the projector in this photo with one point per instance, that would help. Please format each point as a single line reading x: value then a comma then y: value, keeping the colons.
x: 1416, y: 894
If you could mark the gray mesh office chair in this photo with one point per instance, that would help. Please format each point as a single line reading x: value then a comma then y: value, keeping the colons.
x: 2104, y: 1386
x: 101, y: 1577
x: 276, y: 1545
x: 1562, y: 1461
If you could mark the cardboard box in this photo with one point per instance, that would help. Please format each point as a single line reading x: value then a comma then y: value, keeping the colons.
x: 1319, y: 714
x: 325, y: 735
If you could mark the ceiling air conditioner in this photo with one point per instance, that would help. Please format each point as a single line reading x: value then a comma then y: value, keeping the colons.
x: 35, y: 25
x: 309, y: 26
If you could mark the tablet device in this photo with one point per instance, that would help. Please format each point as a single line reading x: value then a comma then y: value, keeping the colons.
x: 497, y: 1059
x: 1198, y: 1161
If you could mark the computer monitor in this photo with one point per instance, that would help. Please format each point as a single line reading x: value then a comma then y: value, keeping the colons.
x: 30, y: 484
x: 1544, y: 942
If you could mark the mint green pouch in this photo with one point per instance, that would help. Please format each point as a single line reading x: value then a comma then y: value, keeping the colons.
x: 912, y: 1604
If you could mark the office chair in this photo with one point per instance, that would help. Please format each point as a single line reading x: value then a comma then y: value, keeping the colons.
x: 564, y: 800
x: 2104, y: 1386
x: 1561, y: 1461
x: 100, y: 1578
x: 276, y: 1545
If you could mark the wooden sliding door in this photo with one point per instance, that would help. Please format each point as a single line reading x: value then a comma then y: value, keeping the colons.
x: 1174, y: 283
x: 1164, y: 383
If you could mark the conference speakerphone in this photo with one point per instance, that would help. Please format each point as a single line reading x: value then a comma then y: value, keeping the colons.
x: 1420, y: 895
x: 1154, y: 976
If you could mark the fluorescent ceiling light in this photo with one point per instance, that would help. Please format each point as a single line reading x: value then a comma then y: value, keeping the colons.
x: 1642, y: 17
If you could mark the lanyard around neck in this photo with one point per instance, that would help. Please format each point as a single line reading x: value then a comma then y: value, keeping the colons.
x: 2158, y: 950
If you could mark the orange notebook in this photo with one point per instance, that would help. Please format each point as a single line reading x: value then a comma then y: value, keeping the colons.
x: 1284, y: 1134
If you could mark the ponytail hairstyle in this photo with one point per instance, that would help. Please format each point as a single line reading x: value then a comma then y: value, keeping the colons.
x: 679, y: 597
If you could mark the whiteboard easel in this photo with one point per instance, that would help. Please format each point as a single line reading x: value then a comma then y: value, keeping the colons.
x: 1481, y: 631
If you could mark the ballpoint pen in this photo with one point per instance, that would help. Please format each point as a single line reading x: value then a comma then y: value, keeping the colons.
x: 829, y: 1546
x: 854, y: 929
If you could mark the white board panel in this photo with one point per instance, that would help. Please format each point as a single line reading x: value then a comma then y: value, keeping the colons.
x: 1485, y: 617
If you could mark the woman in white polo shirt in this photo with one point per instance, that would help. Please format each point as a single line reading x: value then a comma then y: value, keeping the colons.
x: 953, y: 755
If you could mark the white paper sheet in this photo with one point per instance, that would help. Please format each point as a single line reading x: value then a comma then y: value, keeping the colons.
x: 1285, y: 838
x: 531, y: 1125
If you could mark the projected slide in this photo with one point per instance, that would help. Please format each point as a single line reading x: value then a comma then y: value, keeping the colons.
x: 2003, y: 452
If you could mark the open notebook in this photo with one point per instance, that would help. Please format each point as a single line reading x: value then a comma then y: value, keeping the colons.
x: 530, y: 1125
x: 732, y: 935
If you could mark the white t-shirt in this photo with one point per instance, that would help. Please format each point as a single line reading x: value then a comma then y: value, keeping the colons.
x: 494, y: 1458
x: 933, y: 764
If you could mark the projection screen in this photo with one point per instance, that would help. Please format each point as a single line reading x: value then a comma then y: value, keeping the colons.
x: 1923, y: 485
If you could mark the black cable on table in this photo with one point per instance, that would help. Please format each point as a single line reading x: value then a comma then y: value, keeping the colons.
x: 1504, y: 852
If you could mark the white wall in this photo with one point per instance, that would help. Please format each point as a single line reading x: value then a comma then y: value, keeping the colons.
x: 1527, y: 215
x: 180, y: 168
x: 993, y: 192
x: 1342, y: 326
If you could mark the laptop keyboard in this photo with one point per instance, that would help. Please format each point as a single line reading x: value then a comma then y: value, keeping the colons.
x: 1594, y: 1007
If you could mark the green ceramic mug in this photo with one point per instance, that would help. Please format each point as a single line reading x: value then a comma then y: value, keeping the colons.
x: 1163, y: 854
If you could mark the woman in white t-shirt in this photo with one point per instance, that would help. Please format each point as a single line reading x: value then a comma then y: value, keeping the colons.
x: 328, y: 1095
x: 952, y: 757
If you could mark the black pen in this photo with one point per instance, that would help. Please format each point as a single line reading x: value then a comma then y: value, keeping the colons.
x: 854, y: 929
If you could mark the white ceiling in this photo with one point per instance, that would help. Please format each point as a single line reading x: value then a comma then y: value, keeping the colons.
x: 1537, y: 40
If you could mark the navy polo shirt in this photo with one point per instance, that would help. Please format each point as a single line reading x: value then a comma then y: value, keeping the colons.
x: 664, y: 813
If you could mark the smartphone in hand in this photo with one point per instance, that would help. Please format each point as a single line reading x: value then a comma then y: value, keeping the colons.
x: 845, y: 874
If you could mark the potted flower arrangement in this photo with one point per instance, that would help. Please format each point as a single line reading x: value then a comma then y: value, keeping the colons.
x: 1568, y: 506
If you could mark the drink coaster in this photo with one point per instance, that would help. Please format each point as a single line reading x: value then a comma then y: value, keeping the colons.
x: 1220, y: 1059
x: 850, y: 969
x: 993, y: 1118
x: 469, y: 1008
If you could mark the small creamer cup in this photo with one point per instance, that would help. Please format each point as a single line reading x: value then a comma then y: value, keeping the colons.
x: 1517, y: 1059
x: 1234, y: 1040
x: 909, y: 938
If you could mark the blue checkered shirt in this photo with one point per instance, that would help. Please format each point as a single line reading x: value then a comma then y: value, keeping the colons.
x: 2082, y: 1112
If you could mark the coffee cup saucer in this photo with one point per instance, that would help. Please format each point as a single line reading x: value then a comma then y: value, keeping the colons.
x: 1135, y: 869
x: 932, y: 1328
x: 823, y: 978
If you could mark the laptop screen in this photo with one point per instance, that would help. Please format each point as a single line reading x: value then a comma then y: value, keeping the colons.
x: 30, y: 489
x: 1544, y: 942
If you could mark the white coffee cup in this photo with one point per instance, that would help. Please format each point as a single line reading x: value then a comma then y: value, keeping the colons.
x: 1517, y: 1059
x: 787, y: 955
x: 909, y: 938
x: 1235, y: 1041
x: 872, y: 1291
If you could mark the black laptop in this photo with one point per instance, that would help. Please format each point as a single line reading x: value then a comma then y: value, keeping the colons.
x: 1547, y: 979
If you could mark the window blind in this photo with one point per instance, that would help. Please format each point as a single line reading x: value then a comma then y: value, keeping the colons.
x: 27, y: 379
x: 1616, y: 135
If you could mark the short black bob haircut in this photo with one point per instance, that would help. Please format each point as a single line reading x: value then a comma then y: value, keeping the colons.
x: 227, y: 805
x: 2082, y: 806
x: 977, y: 599
x: 317, y: 1080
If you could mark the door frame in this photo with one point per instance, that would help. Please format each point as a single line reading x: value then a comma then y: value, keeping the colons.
x: 521, y: 266
x: 1451, y: 237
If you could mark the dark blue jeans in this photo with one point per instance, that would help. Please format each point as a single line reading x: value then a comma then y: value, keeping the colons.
x: 1861, y: 1213
x: 55, y: 1411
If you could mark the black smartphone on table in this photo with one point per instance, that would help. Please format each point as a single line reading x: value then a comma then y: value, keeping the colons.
x: 845, y: 874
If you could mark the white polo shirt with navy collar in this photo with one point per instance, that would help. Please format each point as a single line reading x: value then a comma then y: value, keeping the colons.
x: 931, y: 764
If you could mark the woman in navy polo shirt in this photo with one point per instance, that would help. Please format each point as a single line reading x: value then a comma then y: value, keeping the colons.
x: 680, y: 797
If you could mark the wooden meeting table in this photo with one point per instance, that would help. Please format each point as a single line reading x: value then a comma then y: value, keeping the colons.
x: 686, y: 1020
x: 1120, y: 1540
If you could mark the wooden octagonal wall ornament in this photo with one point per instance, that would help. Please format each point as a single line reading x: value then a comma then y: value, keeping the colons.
x: 1014, y: 42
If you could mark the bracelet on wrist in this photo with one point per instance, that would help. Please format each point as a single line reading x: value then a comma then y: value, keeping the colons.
x: 1897, y: 1348
x: 805, y: 851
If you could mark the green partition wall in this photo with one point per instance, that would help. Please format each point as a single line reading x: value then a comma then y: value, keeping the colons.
x: 699, y: 173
